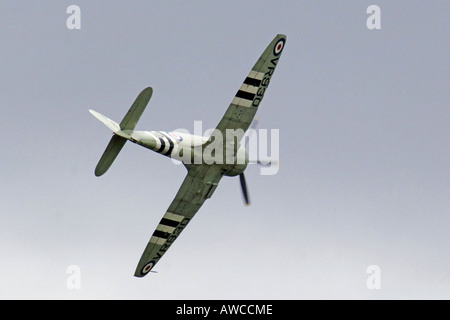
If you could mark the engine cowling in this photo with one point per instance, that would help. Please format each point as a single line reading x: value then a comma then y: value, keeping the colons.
x: 238, y: 165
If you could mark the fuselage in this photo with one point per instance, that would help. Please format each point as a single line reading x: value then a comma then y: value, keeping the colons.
x: 192, y: 150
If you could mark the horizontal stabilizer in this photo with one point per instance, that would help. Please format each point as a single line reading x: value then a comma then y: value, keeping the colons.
x: 134, y: 114
x: 112, y: 150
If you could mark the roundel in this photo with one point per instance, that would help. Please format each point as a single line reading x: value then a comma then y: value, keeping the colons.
x: 148, y: 267
x: 278, y: 47
x: 174, y: 135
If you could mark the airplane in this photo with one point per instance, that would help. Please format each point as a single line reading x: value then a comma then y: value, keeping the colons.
x: 226, y: 155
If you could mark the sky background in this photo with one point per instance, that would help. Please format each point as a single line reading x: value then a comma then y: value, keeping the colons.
x: 363, y: 118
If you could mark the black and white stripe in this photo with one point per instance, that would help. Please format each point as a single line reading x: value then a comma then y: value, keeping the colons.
x: 252, y: 82
x: 165, y: 228
x: 166, y: 143
x: 170, y: 140
x: 162, y: 145
x: 247, y: 92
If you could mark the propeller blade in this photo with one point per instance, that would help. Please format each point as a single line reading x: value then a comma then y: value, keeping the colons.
x: 244, y: 189
x: 264, y: 163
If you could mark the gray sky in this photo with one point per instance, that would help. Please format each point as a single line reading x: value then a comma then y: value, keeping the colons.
x: 364, y: 129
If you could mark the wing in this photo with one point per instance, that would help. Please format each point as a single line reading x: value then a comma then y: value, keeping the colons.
x: 199, y: 185
x: 242, y: 109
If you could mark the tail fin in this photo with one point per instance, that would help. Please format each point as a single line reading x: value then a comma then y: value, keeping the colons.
x: 122, y: 131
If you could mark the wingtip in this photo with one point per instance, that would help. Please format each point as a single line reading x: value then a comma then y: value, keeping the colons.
x: 99, y: 171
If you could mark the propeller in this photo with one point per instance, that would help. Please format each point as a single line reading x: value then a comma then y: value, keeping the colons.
x: 264, y: 163
x: 244, y: 189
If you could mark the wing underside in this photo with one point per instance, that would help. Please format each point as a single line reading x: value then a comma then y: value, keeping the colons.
x: 242, y: 109
x: 199, y: 185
